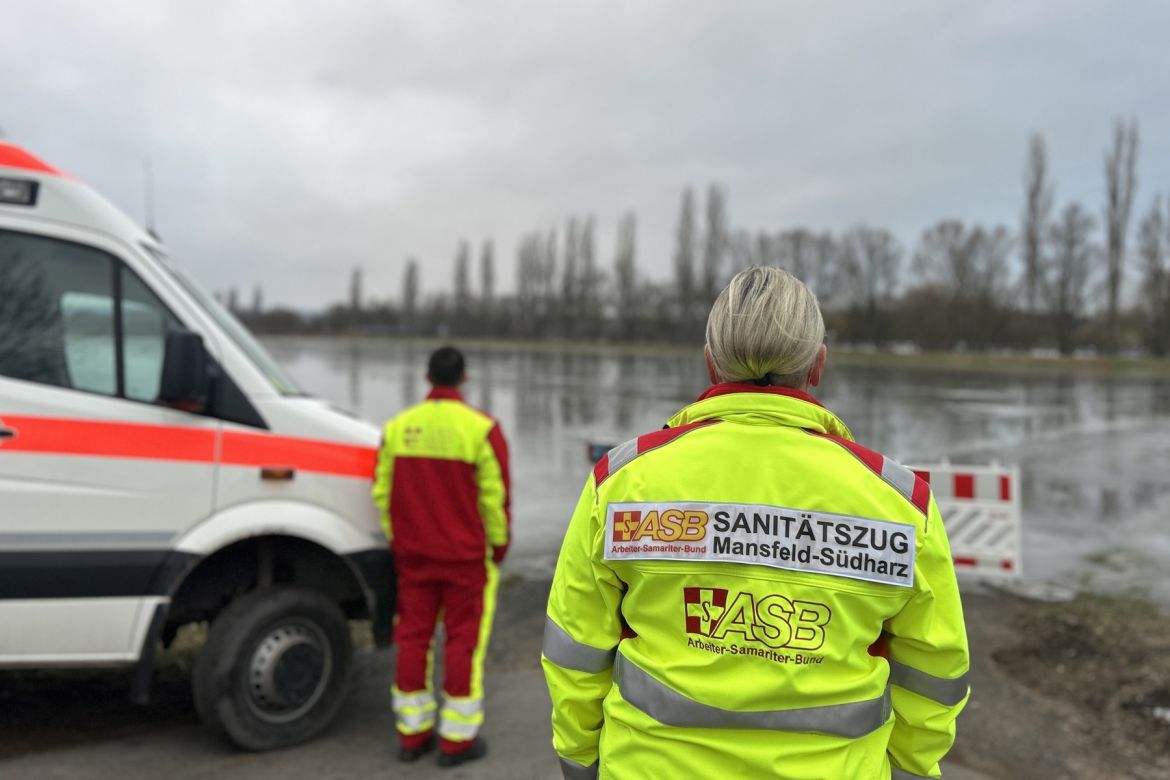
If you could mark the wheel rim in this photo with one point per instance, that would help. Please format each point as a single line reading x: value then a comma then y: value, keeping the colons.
x: 289, y: 671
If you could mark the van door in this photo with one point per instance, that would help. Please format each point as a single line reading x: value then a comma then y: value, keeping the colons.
x: 96, y: 477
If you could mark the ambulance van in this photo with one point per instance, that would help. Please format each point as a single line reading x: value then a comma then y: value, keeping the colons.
x: 157, y: 469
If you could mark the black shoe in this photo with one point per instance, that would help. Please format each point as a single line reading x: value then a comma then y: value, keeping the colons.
x: 410, y: 755
x: 478, y: 749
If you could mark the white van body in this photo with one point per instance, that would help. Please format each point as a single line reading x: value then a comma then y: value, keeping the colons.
x: 124, y: 516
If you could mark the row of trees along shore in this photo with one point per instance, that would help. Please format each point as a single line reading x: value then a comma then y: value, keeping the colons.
x: 1069, y: 278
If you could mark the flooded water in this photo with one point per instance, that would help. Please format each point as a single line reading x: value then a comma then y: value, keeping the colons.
x: 1094, y: 452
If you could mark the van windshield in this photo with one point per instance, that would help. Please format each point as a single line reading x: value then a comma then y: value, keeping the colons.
x: 231, y: 326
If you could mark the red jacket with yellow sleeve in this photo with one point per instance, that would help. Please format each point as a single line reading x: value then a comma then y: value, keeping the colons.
x: 442, y: 482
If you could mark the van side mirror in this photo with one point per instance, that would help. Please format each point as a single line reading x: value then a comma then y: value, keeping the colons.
x: 185, y: 380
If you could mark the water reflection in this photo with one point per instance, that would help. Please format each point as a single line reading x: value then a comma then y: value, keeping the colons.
x: 353, y: 352
x: 1095, y: 452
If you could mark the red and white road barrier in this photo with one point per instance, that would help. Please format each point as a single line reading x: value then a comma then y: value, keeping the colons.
x: 980, y: 507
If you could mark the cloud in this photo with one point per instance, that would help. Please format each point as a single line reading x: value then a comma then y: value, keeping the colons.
x: 291, y: 142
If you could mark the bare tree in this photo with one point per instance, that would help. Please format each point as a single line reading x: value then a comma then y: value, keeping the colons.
x: 744, y: 250
x: 1072, y: 256
x: 529, y: 281
x: 548, y: 272
x: 257, y: 300
x: 797, y: 251
x: 410, y: 296
x: 1153, y: 245
x: 355, y: 291
x: 968, y: 269
x: 824, y: 272
x: 765, y: 249
x: 487, y: 284
x: 462, y: 287
x: 626, y: 277
x: 569, y: 309
x: 1037, y: 214
x: 684, y: 254
x: 872, y: 259
x: 1120, y: 183
x: 715, y: 242
x: 589, y: 282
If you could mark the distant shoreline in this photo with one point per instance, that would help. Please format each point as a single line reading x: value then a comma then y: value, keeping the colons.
x: 972, y: 362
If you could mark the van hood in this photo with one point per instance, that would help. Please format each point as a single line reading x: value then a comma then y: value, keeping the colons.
x: 314, y: 418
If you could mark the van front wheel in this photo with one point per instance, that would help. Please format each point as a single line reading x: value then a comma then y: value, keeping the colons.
x: 275, y: 668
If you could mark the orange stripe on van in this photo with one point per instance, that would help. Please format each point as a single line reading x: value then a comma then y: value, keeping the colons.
x: 100, y: 439
x: 324, y: 457
x: 56, y: 436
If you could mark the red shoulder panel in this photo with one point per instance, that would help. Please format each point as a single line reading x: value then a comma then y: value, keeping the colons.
x: 643, y: 444
x: 652, y: 441
x: 910, y: 484
x: 867, y: 456
x: 601, y: 470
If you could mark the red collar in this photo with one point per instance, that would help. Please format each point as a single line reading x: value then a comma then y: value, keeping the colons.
x: 727, y: 388
x: 445, y: 393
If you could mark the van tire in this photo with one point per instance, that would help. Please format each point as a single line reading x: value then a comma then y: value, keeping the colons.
x: 275, y: 668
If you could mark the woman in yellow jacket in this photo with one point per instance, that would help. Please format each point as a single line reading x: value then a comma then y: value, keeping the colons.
x: 748, y: 592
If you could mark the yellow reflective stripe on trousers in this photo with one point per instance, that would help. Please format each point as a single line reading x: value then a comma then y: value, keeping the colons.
x: 943, y: 690
x: 490, y: 588
x: 671, y: 708
x: 571, y: 770
x: 568, y: 653
x: 902, y: 774
x: 415, y: 711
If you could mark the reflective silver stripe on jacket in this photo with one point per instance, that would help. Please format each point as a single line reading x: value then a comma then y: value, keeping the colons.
x: 571, y: 770
x: 902, y: 774
x: 564, y: 651
x: 622, y: 454
x: 668, y: 706
x: 899, y: 477
x: 941, y: 689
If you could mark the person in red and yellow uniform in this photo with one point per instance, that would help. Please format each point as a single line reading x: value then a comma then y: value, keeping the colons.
x: 443, y: 491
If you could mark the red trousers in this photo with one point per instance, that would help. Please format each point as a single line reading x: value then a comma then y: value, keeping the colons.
x: 463, y: 597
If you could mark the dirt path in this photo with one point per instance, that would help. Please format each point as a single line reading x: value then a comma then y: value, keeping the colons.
x: 77, y: 725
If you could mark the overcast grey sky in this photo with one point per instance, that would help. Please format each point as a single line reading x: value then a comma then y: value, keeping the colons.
x: 292, y: 141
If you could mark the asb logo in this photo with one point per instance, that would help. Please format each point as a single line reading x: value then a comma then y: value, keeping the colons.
x: 668, y: 525
x: 772, y: 620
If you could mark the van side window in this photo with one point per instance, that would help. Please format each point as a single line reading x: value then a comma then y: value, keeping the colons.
x: 58, y: 308
x: 88, y: 323
x: 145, y: 325
x: 57, y: 313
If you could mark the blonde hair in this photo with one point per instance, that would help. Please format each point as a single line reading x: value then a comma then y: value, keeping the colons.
x: 765, y: 326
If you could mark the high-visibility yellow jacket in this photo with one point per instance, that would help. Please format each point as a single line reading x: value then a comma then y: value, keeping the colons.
x: 441, y: 482
x: 722, y: 589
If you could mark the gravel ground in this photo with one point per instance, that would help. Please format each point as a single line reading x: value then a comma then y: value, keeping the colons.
x: 1060, y: 691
